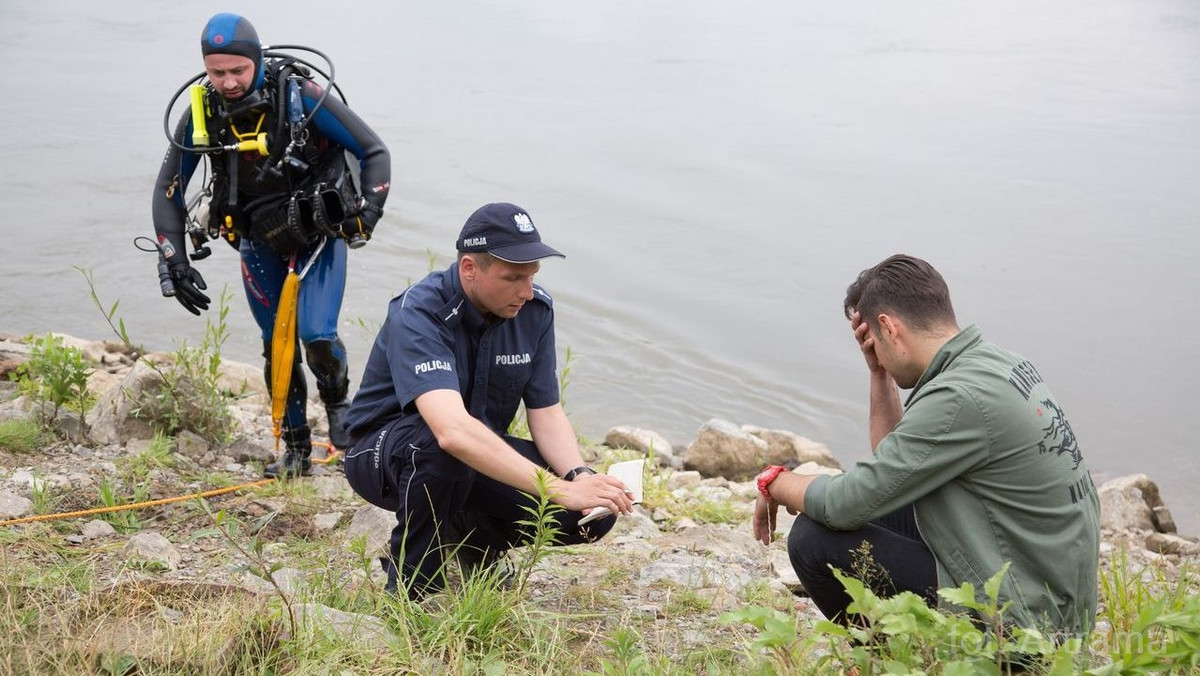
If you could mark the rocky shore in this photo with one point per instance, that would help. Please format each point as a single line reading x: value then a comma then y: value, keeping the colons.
x: 690, y: 539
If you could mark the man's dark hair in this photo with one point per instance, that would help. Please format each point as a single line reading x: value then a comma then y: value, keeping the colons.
x: 902, y: 285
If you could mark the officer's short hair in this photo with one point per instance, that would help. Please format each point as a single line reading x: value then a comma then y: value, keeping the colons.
x: 905, y: 286
x: 482, y: 258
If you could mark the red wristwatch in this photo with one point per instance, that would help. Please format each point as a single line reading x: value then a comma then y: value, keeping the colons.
x: 765, y: 478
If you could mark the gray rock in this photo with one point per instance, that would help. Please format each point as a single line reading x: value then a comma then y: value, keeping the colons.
x: 789, y: 448
x: 93, y: 350
x: 290, y: 580
x: 331, y: 488
x: 1125, y: 508
x: 1143, y: 483
x: 781, y: 567
x: 1164, y: 520
x: 376, y: 524
x: 245, y: 381
x: 722, y: 543
x: 678, y: 480
x: 1128, y: 503
x: 11, y: 409
x: 69, y: 425
x: 643, y: 441
x: 810, y: 467
x: 23, y: 478
x: 13, y: 506
x: 137, y: 446
x: 151, y: 547
x: 691, y: 570
x: 193, y: 446
x: 1164, y: 543
x: 114, y: 420
x: 368, y: 631
x: 722, y: 449
x: 685, y: 523
x: 102, y: 381
x: 637, y: 525
x: 249, y: 450
x: 327, y: 521
x: 712, y: 494
x: 167, y: 634
x: 97, y: 529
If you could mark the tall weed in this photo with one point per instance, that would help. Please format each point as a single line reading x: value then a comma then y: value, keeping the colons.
x: 55, y: 376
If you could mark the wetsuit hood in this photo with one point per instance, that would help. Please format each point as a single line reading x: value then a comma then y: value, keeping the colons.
x: 227, y: 33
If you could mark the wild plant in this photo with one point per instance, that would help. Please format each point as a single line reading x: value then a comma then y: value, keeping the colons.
x: 192, y: 397
x: 126, y: 520
x: 542, y: 527
x: 902, y: 635
x: 1153, y: 620
x: 55, y: 376
x: 233, y: 531
x: 157, y: 455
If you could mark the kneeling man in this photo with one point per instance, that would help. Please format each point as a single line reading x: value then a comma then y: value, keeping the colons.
x: 458, y: 353
x: 979, y: 468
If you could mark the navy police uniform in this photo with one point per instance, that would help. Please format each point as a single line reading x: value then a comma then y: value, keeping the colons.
x: 434, y: 338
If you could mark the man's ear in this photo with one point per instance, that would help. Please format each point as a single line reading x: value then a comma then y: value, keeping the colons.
x: 890, y: 326
x: 467, y: 267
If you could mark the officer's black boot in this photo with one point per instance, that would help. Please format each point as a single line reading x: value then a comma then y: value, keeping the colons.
x: 297, y: 459
x: 327, y: 359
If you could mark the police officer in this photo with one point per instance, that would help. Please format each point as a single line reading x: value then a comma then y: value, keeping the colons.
x: 458, y: 353
x: 262, y: 198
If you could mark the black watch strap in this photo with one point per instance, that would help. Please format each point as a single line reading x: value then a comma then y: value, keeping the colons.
x: 582, y: 469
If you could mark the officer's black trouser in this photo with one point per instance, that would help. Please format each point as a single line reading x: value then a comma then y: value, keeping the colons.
x: 441, y: 504
x: 896, y: 560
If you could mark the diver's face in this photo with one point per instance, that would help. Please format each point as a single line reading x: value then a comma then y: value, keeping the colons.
x: 231, y: 74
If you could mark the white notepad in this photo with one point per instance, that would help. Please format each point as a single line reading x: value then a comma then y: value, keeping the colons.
x: 630, y: 474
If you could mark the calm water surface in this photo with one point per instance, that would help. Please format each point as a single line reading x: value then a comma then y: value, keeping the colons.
x: 717, y: 173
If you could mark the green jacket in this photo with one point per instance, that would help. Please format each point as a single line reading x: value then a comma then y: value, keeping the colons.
x: 987, y: 458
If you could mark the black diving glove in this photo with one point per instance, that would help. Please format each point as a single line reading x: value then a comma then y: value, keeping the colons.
x: 188, y: 286
x: 358, y: 228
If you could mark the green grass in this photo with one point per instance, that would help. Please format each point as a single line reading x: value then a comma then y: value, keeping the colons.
x: 158, y: 455
x: 112, y: 493
x: 21, y: 436
x: 724, y: 511
x: 53, y: 595
x: 44, y: 497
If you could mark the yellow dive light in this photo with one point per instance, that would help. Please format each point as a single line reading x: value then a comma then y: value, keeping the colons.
x: 199, y: 126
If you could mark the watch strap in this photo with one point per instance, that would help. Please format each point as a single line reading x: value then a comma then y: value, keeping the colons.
x: 582, y: 469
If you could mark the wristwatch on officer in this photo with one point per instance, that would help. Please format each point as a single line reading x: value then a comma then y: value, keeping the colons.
x: 582, y: 469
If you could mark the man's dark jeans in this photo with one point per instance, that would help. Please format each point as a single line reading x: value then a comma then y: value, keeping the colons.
x: 894, y: 559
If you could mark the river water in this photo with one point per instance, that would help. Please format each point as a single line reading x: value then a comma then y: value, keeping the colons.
x: 716, y: 172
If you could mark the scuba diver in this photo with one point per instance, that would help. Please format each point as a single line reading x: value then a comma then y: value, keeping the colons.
x: 283, y: 193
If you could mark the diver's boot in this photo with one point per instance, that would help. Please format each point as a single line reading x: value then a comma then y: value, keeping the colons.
x: 327, y: 359
x: 338, y: 435
x: 297, y: 460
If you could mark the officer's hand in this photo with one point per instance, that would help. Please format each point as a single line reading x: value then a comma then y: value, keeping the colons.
x: 188, y: 287
x: 358, y: 228
x: 595, y: 490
